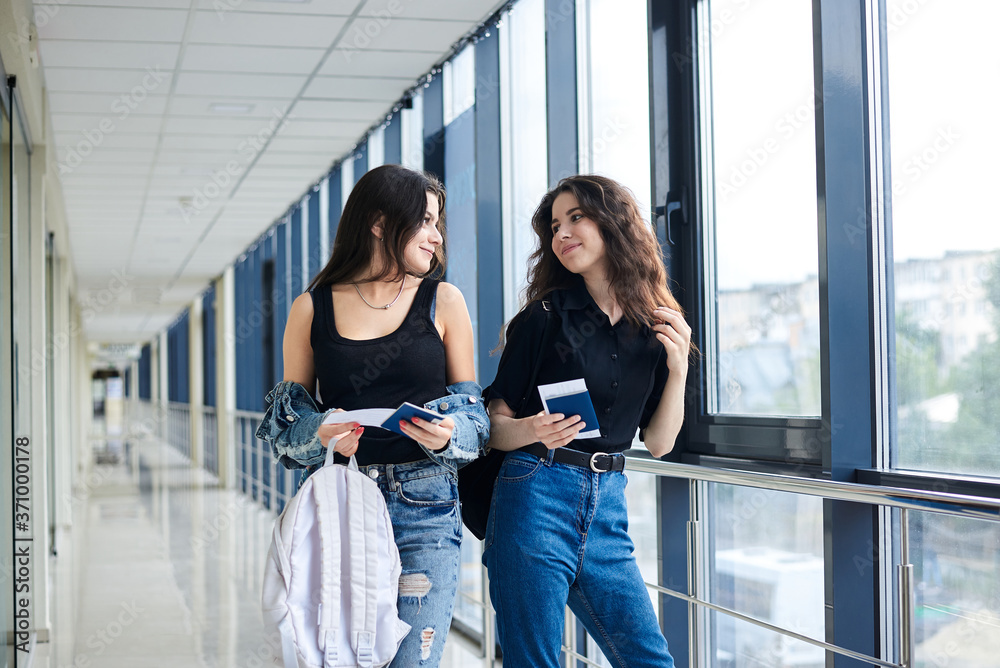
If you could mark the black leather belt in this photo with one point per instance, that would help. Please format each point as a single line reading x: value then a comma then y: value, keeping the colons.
x: 600, y: 462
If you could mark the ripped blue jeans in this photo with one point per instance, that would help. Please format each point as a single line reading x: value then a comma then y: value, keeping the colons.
x: 422, y: 499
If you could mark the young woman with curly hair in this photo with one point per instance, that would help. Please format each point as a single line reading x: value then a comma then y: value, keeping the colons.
x: 557, y: 532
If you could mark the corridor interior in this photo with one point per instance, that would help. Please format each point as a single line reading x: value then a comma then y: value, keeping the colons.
x: 163, y: 567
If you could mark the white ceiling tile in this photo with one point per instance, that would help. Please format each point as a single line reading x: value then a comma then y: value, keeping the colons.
x: 408, y: 34
x: 322, y: 7
x: 251, y: 59
x: 265, y: 29
x: 46, y: 7
x: 151, y: 80
x: 79, y: 144
x: 193, y: 144
x: 465, y: 11
x: 357, y: 88
x: 109, y: 55
x: 109, y: 170
x: 190, y: 105
x: 247, y: 128
x: 105, y: 104
x: 377, y: 63
x: 238, y: 84
x: 332, y: 146
x: 108, y: 156
x: 132, y: 124
x: 111, y: 24
x: 340, y: 110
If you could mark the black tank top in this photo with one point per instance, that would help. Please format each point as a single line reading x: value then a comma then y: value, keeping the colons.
x: 406, y: 365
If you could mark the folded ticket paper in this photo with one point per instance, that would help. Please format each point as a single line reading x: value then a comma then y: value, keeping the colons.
x: 386, y: 418
x: 571, y: 398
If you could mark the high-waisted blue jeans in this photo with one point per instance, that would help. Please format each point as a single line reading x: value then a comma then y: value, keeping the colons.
x: 557, y: 534
x: 422, y: 499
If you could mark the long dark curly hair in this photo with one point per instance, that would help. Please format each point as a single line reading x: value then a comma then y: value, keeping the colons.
x: 634, y: 259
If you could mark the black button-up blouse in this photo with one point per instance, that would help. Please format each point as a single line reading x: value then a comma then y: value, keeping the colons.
x: 625, y: 367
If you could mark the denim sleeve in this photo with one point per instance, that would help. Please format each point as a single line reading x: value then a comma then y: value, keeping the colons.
x: 289, y: 426
x: 464, y: 405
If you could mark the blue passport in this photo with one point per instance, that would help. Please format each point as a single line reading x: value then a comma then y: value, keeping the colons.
x: 406, y: 412
x: 571, y: 398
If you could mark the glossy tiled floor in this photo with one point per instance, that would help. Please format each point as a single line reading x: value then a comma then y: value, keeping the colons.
x: 163, y: 568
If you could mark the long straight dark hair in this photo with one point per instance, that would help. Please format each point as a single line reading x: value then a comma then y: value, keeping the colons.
x: 397, y: 196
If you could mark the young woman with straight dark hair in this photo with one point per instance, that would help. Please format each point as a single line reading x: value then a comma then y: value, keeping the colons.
x: 376, y: 328
x: 557, y: 533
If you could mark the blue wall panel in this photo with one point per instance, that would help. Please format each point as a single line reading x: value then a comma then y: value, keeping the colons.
x: 334, y: 186
x: 256, y: 320
x: 282, y: 296
x: 434, y: 128
x: 178, y: 369
x: 489, y: 240
x: 208, y: 374
x: 316, y: 253
x: 145, y: 372
x: 296, y: 262
x: 241, y: 330
x: 393, y: 141
x: 460, y: 166
x: 361, y: 161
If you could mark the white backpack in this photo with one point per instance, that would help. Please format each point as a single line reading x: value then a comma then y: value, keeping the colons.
x: 332, y: 574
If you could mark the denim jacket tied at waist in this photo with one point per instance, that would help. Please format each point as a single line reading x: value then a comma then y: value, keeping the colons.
x: 292, y: 418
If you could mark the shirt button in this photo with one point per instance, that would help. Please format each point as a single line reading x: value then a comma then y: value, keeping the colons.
x: 290, y: 418
x: 473, y: 400
x: 614, y: 356
x: 443, y: 406
x: 614, y: 383
x: 373, y: 473
x: 607, y: 411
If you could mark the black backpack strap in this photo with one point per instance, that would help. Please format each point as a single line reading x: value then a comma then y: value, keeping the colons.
x: 547, y: 333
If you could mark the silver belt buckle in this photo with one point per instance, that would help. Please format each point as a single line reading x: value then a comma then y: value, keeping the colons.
x: 593, y: 462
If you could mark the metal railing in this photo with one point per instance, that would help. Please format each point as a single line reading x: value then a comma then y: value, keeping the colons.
x: 904, y: 500
x: 179, y: 427
x: 258, y: 473
x: 210, y: 434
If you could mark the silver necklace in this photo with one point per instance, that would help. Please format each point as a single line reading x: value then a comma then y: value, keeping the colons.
x: 401, y: 284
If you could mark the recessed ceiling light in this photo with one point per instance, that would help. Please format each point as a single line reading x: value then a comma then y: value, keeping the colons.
x: 232, y: 107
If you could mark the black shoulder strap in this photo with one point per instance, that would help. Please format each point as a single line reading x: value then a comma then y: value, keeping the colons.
x: 550, y: 322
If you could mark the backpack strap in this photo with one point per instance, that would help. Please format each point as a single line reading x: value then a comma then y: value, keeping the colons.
x: 329, y: 606
x: 363, y: 512
x: 547, y: 334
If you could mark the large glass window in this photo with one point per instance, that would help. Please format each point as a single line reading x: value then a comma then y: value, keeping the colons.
x: 614, y: 90
x: 957, y: 570
x: 761, y: 208
x: 766, y: 561
x: 524, y: 136
x: 946, y: 245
